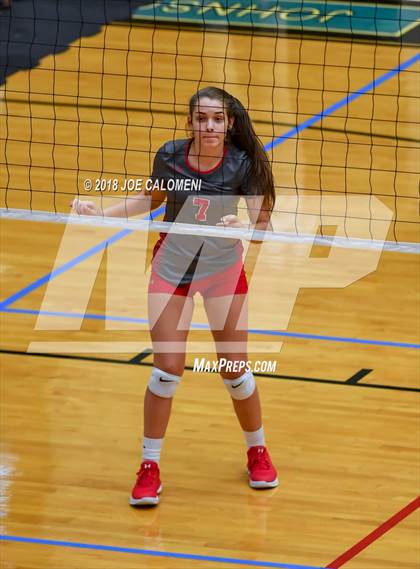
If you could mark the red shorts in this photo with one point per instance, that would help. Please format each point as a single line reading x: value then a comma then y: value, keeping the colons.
x: 223, y: 283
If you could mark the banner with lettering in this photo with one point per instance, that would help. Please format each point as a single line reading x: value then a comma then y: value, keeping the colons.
x: 274, y: 17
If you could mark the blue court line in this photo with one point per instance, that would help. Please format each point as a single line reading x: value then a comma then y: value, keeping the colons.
x: 299, y: 335
x: 89, y: 316
x: 151, y: 552
x: 349, y: 340
x: 67, y: 266
x: 345, y: 101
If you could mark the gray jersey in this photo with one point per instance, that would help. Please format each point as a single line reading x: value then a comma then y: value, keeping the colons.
x: 202, y: 198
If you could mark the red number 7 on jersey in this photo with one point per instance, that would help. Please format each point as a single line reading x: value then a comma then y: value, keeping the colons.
x: 203, y: 205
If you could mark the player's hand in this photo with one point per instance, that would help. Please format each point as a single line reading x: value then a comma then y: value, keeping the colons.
x: 231, y: 221
x: 84, y: 207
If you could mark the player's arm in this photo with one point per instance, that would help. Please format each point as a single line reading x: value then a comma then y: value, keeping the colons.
x: 259, y: 214
x: 143, y: 203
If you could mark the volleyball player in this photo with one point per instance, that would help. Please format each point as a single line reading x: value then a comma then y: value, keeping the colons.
x: 202, y: 179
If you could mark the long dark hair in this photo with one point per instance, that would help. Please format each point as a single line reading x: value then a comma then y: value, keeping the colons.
x: 244, y: 137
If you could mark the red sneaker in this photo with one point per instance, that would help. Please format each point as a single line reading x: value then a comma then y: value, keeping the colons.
x: 261, y: 471
x: 148, y: 485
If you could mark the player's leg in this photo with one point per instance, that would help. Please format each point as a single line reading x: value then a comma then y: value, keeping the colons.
x: 227, y: 317
x: 169, y: 317
x: 228, y: 322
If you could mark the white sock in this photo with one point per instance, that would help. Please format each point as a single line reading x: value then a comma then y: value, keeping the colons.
x: 151, y: 449
x: 255, y: 438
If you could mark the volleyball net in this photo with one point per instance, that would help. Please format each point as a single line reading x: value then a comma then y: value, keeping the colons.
x: 91, y: 90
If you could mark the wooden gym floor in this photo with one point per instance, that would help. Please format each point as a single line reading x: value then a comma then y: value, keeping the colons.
x: 341, y: 415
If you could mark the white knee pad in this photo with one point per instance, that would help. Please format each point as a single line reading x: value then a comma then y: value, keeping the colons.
x: 241, y: 387
x: 162, y: 383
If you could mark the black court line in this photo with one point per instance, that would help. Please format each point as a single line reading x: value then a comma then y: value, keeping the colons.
x: 358, y: 376
x: 140, y: 357
x: 139, y: 360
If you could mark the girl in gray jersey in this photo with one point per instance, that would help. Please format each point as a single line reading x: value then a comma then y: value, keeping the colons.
x: 202, y: 179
